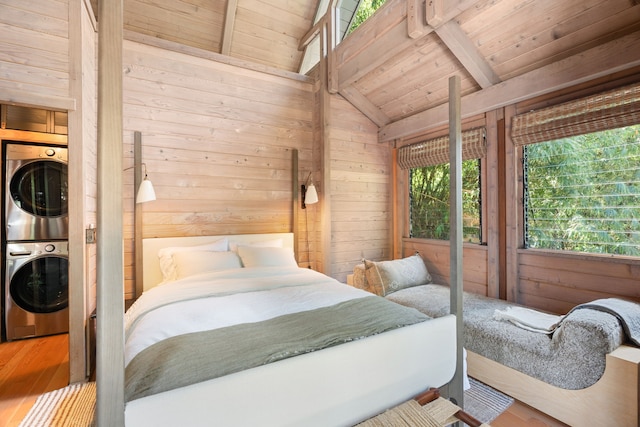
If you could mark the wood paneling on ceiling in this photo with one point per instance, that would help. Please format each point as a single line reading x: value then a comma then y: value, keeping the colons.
x: 397, y: 64
x: 488, y: 43
x: 262, y: 31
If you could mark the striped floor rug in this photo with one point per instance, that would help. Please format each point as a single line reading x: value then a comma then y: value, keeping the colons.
x: 72, y: 406
x: 484, y: 402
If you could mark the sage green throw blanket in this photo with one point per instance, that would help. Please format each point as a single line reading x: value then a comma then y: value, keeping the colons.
x: 191, y: 358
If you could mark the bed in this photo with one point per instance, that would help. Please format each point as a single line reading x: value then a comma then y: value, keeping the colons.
x: 356, y: 376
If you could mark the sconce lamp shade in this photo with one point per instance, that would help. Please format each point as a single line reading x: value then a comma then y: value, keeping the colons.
x: 311, y: 196
x: 146, y: 193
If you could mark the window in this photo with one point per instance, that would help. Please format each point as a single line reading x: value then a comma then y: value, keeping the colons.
x: 582, y: 193
x: 582, y: 173
x: 428, y: 165
x: 366, y: 8
x: 429, y: 201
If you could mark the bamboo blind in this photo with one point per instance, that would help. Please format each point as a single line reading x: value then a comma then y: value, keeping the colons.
x: 608, y: 110
x: 436, y: 151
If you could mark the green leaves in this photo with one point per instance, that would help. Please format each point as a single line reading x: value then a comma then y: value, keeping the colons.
x: 429, y: 201
x: 583, y: 193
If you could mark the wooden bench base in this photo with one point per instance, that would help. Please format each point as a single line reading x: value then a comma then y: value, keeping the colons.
x: 612, y: 401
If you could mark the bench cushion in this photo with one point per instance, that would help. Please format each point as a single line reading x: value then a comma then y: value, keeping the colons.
x: 572, y: 358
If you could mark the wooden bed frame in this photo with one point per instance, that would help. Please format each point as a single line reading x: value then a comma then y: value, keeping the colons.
x: 335, y: 400
x: 612, y: 401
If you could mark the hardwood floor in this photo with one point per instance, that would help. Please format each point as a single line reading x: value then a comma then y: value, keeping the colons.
x: 34, y: 366
x: 520, y: 414
x: 29, y: 368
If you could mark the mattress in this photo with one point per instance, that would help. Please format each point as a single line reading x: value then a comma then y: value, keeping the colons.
x: 339, y: 385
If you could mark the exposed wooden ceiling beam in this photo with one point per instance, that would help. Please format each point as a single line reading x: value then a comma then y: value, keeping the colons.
x: 416, y: 18
x: 400, y: 35
x: 229, y: 24
x: 321, y: 11
x: 441, y: 11
x: 463, y: 49
x: 366, y: 107
x: 377, y: 39
x: 611, y: 57
x: 376, y: 54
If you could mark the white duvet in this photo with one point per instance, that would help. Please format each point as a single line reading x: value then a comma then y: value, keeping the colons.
x: 225, y: 298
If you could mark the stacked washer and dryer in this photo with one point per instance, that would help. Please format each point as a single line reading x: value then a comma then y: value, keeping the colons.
x: 36, y: 240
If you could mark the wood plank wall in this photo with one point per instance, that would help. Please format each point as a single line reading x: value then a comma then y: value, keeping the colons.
x: 361, y: 217
x: 437, y: 259
x: 89, y: 110
x: 216, y: 141
x: 557, y: 282
x: 34, y: 53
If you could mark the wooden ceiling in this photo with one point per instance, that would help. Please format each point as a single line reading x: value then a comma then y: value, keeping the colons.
x: 266, y: 32
x: 398, y: 63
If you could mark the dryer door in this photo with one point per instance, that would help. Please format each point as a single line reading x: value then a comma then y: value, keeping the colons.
x: 41, y: 285
x: 38, y: 193
x: 40, y: 188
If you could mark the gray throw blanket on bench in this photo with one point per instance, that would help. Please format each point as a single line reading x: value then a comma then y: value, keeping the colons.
x: 191, y: 358
x: 627, y: 313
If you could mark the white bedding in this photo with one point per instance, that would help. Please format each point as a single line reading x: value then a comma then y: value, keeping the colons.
x: 337, y: 386
x: 239, y: 296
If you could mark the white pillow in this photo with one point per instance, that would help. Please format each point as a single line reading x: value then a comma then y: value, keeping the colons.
x: 189, y: 263
x: 275, y: 243
x: 255, y: 256
x: 165, y: 255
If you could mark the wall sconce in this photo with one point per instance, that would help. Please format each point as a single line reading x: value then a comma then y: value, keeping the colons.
x: 309, y: 194
x: 145, y: 192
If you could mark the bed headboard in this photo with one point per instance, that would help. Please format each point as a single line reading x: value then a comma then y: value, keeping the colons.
x: 151, y: 274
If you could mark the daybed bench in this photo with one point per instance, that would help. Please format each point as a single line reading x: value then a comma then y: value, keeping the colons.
x: 582, y: 374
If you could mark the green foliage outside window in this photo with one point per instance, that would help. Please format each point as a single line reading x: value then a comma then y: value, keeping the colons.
x: 429, y: 194
x: 365, y: 10
x: 583, y: 193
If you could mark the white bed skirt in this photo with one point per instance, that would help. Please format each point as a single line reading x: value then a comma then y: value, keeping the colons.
x: 337, y: 386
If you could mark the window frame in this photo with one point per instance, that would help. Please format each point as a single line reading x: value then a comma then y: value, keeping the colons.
x: 402, y: 183
x: 514, y: 169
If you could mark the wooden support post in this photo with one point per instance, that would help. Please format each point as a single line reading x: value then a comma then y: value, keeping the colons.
x: 137, y: 211
x: 295, y: 203
x: 110, y: 265
x: 324, y: 238
x: 456, y: 234
x: 331, y: 42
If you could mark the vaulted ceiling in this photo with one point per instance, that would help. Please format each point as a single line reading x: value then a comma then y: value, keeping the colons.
x: 266, y: 32
x: 398, y: 63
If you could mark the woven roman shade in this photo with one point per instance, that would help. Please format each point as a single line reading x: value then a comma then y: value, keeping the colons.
x: 608, y: 110
x: 436, y: 151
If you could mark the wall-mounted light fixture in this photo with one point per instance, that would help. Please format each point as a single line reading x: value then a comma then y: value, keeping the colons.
x: 308, y: 193
x: 146, y: 193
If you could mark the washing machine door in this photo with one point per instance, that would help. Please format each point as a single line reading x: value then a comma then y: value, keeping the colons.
x: 41, y: 285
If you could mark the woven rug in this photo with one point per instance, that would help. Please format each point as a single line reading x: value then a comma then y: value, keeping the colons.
x: 72, y: 406
x: 484, y: 402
